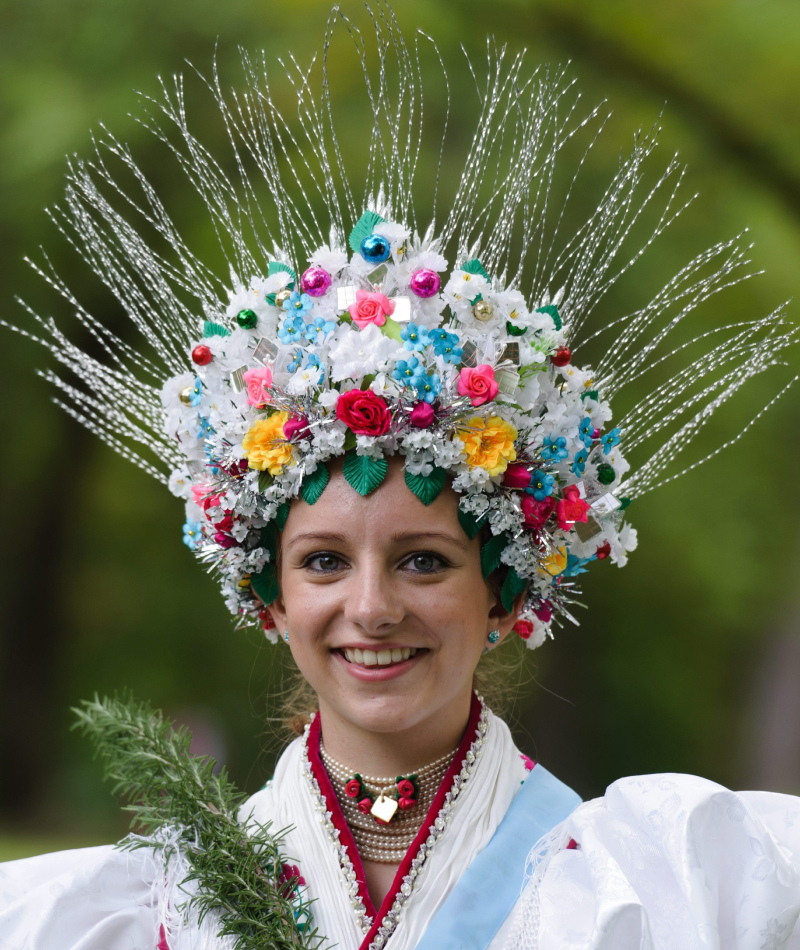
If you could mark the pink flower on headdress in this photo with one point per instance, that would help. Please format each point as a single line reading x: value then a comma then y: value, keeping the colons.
x: 258, y: 382
x: 478, y: 383
x: 536, y: 512
x: 364, y: 412
x: 370, y: 308
x: 571, y: 508
x: 422, y: 415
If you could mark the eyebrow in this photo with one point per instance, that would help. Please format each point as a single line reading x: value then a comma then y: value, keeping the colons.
x: 397, y: 537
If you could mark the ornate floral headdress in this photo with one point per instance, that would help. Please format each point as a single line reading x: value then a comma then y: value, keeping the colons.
x: 345, y: 330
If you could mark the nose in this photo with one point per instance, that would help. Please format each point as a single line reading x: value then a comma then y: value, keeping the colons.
x: 374, y: 603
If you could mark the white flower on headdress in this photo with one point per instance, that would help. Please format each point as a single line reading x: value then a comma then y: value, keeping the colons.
x: 331, y: 260
x: 396, y: 234
x: 464, y: 286
x: 357, y: 353
x: 271, y: 284
x: 303, y: 380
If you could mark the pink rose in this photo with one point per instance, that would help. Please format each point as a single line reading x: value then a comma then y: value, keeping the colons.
x: 516, y: 476
x: 478, y: 383
x: 422, y: 415
x: 544, y: 612
x: 364, y: 412
x: 405, y: 788
x: 571, y: 508
x: 370, y: 308
x: 258, y: 382
x: 536, y: 512
x: 296, y: 427
x: 352, y: 788
x: 406, y: 803
x: 524, y: 628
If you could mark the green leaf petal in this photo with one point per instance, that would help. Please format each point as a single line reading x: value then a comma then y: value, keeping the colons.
x: 349, y: 440
x: 513, y: 586
x: 364, y: 227
x: 491, y: 551
x: 281, y: 515
x: 391, y: 329
x: 214, y: 329
x: 364, y: 473
x: 470, y: 523
x: 427, y: 487
x: 590, y: 394
x: 475, y: 267
x: 269, y: 539
x: 264, y: 480
x: 265, y: 584
x: 314, y: 484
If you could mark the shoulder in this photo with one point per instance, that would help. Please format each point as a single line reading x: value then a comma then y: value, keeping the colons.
x: 669, y: 860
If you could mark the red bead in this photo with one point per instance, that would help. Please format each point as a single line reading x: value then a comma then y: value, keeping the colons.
x: 603, y: 551
x: 202, y: 355
x: 524, y: 628
x: 562, y: 357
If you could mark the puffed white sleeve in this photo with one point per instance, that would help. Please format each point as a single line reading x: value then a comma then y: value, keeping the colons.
x: 665, y: 862
x: 87, y: 899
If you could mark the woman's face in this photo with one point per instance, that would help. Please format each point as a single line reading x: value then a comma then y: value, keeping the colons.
x: 385, y: 603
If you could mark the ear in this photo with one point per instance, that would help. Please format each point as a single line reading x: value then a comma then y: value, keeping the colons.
x: 277, y: 611
x: 501, y: 619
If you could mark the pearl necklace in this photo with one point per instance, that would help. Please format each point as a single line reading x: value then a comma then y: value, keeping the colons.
x: 385, y: 843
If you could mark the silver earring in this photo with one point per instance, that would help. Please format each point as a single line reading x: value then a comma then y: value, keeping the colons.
x: 494, y: 636
x: 286, y: 634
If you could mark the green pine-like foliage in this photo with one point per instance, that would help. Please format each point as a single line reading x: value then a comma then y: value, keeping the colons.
x: 238, y: 871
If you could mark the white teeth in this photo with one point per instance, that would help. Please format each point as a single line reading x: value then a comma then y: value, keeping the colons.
x: 380, y: 657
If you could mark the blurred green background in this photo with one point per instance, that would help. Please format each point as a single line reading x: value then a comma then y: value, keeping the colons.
x: 688, y: 660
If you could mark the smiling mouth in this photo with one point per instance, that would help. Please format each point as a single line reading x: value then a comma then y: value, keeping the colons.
x: 379, y: 657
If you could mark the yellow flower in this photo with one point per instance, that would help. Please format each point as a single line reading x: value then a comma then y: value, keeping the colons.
x: 555, y: 562
x: 265, y: 446
x: 489, y: 443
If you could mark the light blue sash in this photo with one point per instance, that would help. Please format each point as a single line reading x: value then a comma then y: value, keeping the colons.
x: 489, y: 888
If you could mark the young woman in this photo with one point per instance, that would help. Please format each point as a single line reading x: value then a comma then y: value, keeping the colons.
x: 391, y: 462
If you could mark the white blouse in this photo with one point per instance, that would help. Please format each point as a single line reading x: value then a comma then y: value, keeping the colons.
x: 661, y: 862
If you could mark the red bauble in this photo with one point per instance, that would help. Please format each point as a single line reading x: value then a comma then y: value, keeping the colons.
x: 562, y: 357
x: 603, y: 551
x: 524, y: 628
x: 202, y: 355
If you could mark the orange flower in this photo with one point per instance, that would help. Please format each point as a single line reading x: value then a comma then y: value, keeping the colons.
x: 265, y: 446
x: 489, y: 443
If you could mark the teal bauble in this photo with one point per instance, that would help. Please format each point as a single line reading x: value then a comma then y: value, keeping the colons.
x: 375, y: 248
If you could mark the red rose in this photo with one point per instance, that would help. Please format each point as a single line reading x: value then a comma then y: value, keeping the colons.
x: 370, y: 308
x: 296, y: 426
x: 536, y: 512
x: 406, y: 803
x: 516, y: 476
x: 571, y: 508
x: 352, y: 788
x: 406, y: 788
x: 544, y: 612
x: 365, y: 806
x: 364, y: 412
x: 478, y: 383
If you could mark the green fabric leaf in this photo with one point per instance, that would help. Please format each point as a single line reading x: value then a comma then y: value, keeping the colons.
x: 624, y: 502
x: 281, y: 515
x: 470, y: 523
x: 475, y: 267
x: 513, y: 586
x: 349, y: 440
x: 264, y: 480
x: 491, y: 551
x: 265, y: 583
x: 590, y: 394
x: 364, y: 227
x: 552, y: 311
x: 364, y: 473
x: 269, y: 539
x: 314, y: 484
x: 214, y: 329
x: 391, y: 329
x: 276, y: 267
x: 426, y: 487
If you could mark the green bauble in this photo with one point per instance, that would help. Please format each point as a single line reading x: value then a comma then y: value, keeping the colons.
x: 513, y: 329
x: 605, y: 474
x: 247, y: 319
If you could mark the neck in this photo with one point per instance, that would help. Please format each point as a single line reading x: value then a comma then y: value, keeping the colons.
x: 397, y: 752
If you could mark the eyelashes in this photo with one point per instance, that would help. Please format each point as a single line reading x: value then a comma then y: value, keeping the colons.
x: 418, y: 562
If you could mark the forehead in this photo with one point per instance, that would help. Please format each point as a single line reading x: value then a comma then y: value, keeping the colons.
x: 392, y: 507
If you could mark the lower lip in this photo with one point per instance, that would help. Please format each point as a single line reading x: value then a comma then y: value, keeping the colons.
x: 377, y: 674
